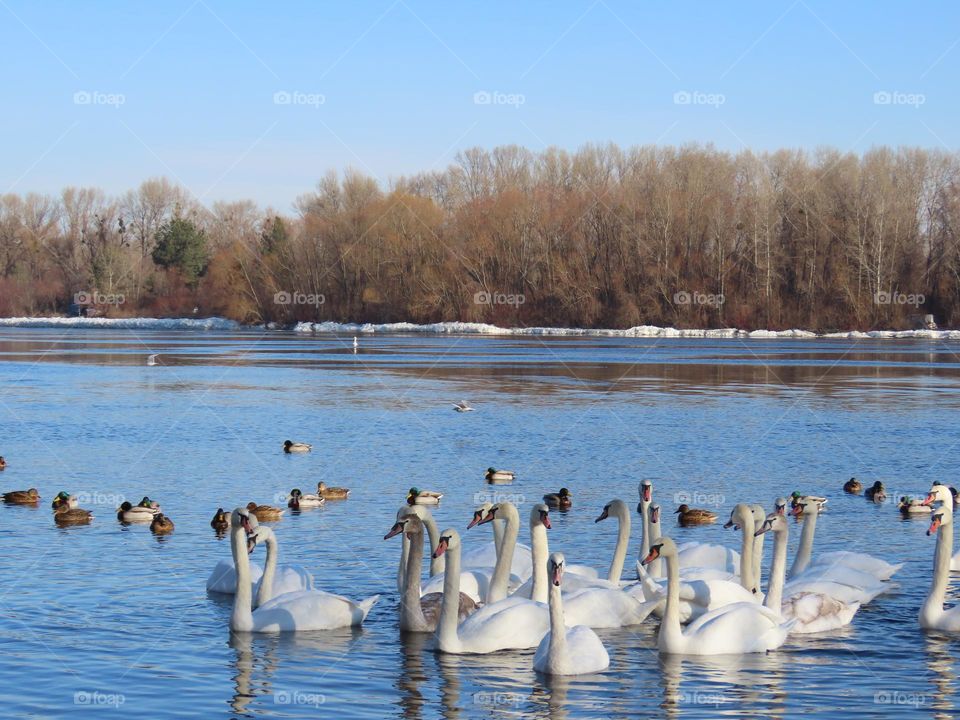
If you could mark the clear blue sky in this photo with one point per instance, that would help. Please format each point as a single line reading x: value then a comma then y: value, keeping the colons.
x: 398, y: 80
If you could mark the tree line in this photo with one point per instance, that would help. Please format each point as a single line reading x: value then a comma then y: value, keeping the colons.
x: 602, y: 237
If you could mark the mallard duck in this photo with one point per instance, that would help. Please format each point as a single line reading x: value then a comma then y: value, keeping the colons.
x: 22, y: 497
x: 497, y: 476
x: 876, y: 492
x: 332, y: 493
x: 265, y: 513
x: 161, y: 525
x: 416, y: 496
x: 221, y: 521
x: 853, y: 486
x: 66, y: 515
x: 128, y: 513
x: 687, y: 515
x: 148, y: 503
x: 289, y: 446
x: 797, y: 499
x: 912, y: 506
x: 298, y: 500
x: 64, y: 498
x: 561, y: 499
x: 3, y: 463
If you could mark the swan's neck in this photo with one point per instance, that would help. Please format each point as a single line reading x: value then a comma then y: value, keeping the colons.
x: 802, y: 560
x: 746, y: 555
x: 645, y: 537
x: 941, y: 571
x: 447, y: 638
x: 265, y: 591
x: 778, y: 569
x: 539, y: 550
x: 758, y: 559
x: 656, y: 567
x: 437, y: 565
x: 501, y: 572
x: 557, y: 654
x: 402, y: 567
x: 670, y: 633
x: 497, y: 535
x: 411, y: 611
x: 623, y: 540
x: 241, y: 620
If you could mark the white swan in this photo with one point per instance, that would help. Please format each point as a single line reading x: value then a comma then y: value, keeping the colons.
x: 291, y: 612
x: 288, y: 578
x: 152, y: 360
x: 619, y: 510
x: 932, y: 615
x: 743, y: 627
x: 813, y: 611
x: 563, y: 651
x: 486, y: 554
x: 510, y: 624
x: 742, y: 518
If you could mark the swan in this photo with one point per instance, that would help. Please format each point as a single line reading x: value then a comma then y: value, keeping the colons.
x: 289, y: 446
x: 742, y: 518
x: 741, y: 627
x: 153, y: 360
x: 563, y: 651
x: 419, y: 613
x: 161, y: 525
x: 290, y: 612
x: 22, y: 497
x: 297, y: 500
x: 486, y: 554
x: 932, y: 614
x: 813, y: 611
x: 509, y: 624
x: 462, y: 407
x: 617, y: 509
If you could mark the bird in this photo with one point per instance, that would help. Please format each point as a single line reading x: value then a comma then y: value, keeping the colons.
x: 22, y: 497
x: 853, y: 486
x: 128, y: 513
x: 913, y: 506
x: 561, y: 499
x: 297, y: 500
x: 64, y: 498
x: 221, y: 521
x: 153, y: 360
x: 66, y: 515
x: 462, y: 406
x: 877, y: 492
x: 797, y: 498
x: 3, y: 463
x: 687, y: 516
x: 416, y: 496
x: 264, y: 513
x: 161, y: 525
x: 497, y: 476
x: 332, y: 493
x: 296, y: 447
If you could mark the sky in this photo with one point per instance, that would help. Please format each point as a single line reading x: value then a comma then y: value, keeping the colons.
x: 259, y: 100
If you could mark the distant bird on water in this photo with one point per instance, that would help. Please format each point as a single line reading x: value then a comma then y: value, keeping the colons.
x: 152, y: 360
x: 462, y: 406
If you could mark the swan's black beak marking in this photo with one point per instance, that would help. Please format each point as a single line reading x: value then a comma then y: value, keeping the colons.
x: 604, y: 515
x: 441, y: 547
x: 652, y: 555
x: 396, y: 529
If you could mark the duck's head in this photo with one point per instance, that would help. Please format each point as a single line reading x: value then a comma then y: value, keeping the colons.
x: 682, y: 509
x: 479, y: 514
x: 61, y: 498
x: 412, y: 494
x: 220, y: 515
x: 321, y: 487
x: 564, y: 494
x: 555, y: 565
x: 540, y: 513
x: 654, y: 513
x: 664, y: 547
x: 296, y: 493
x: 125, y: 506
x: 491, y: 471
x: 449, y: 539
x: 251, y: 506
x: 646, y: 490
x: 146, y: 502
x: 877, y: 486
x: 287, y: 443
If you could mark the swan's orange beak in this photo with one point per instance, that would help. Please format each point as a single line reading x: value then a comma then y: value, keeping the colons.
x: 647, y: 493
x: 545, y: 519
x: 557, y: 574
x: 652, y: 555
x: 441, y: 547
x: 935, y: 524
x: 929, y: 499
x: 488, y: 517
x: 603, y: 516
x: 477, y: 518
x: 655, y: 515
x: 395, y: 530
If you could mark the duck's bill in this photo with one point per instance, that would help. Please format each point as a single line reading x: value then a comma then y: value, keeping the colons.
x: 441, y: 548
x: 395, y: 530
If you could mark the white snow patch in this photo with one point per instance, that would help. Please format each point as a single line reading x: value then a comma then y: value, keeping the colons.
x: 213, y: 323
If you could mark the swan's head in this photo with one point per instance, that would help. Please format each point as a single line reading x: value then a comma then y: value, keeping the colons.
x: 664, y: 547
x: 941, y: 518
x: 604, y: 514
x: 654, y: 513
x: 938, y: 493
x: 775, y: 521
x: 780, y: 506
x: 479, y: 514
x: 555, y: 566
x: 540, y: 514
x: 408, y: 521
x: 739, y: 517
x: 243, y: 521
x: 646, y: 491
x: 449, y: 539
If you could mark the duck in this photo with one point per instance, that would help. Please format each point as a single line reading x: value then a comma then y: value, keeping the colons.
x: 567, y: 651
x: 876, y: 492
x: 161, y: 525
x: 265, y: 513
x: 561, y: 499
x: 499, y: 476
x: 146, y: 502
x: 462, y: 407
x: 128, y: 513
x: 221, y: 521
x: 62, y: 498
x: 797, y: 498
x: 912, y: 506
x: 332, y: 493
x: 853, y: 486
x: 298, y: 500
x: 416, y: 496
x: 687, y: 516
x: 66, y: 515
x: 153, y: 360
x: 289, y: 446
x: 22, y: 497
x: 3, y: 463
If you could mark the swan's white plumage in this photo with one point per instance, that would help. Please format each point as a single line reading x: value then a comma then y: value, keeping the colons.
x: 289, y: 578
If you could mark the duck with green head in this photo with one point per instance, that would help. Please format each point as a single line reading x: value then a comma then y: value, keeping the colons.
x: 561, y: 499
x: 416, y: 496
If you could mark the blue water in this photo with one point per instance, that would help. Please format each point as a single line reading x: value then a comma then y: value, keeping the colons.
x: 109, y: 621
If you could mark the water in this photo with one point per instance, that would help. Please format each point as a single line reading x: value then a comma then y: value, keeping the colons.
x: 107, y: 617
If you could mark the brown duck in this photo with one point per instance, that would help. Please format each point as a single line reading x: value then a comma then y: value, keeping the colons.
x: 161, y: 525
x: 22, y: 497
x: 265, y: 513
x: 66, y: 515
x: 687, y: 516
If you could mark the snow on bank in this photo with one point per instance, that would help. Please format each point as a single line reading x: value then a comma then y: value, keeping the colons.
x: 464, y: 328
x: 213, y: 323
